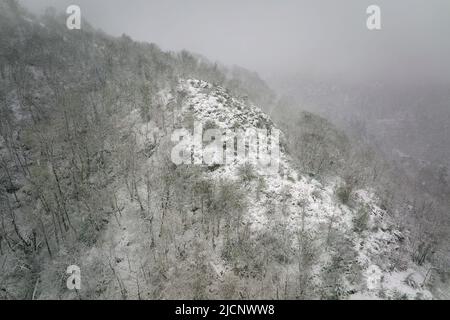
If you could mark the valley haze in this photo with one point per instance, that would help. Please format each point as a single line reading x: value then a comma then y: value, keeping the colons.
x: 224, y: 150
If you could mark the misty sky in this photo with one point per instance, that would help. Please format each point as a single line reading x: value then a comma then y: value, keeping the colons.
x: 320, y: 38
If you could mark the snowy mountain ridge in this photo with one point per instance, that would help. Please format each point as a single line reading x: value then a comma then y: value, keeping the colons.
x: 87, y: 179
x: 289, y: 207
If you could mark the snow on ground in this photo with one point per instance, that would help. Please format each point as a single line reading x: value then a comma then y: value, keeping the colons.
x: 299, y: 197
x: 303, y: 196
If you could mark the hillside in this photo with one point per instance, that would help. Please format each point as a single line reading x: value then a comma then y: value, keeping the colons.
x: 88, y: 124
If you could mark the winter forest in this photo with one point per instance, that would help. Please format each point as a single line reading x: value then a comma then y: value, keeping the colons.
x: 357, y: 207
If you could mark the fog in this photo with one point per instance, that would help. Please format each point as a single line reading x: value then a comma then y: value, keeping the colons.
x: 320, y: 39
x: 119, y: 161
x: 319, y: 53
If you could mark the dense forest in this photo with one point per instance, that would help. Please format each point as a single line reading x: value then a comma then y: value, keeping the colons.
x: 86, y: 179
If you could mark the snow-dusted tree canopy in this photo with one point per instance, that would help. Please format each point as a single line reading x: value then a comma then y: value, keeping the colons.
x: 88, y: 126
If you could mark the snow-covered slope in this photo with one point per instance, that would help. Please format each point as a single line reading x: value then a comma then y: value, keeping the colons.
x: 87, y: 179
x: 311, y: 208
x: 297, y: 238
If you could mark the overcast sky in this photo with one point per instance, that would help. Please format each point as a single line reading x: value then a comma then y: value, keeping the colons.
x: 321, y: 38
